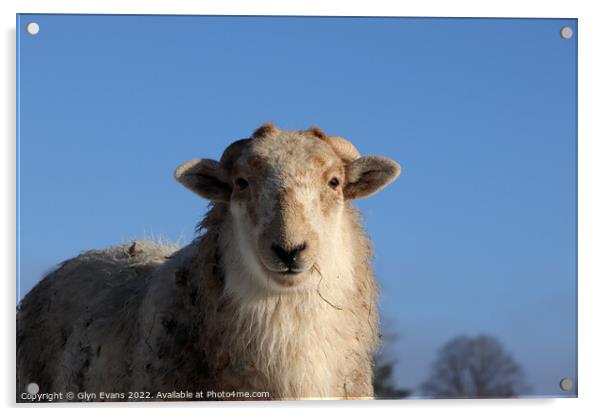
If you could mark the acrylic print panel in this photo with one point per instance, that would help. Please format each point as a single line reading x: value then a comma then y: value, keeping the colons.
x: 474, y: 244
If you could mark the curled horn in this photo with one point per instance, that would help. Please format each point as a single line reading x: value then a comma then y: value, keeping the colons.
x: 232, y: 153
x: 267, y: 129
x: 343, y: 148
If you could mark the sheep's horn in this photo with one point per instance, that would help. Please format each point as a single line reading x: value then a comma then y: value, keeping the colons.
x: 343, y: 148
x: 232, y: 153
x: 266, y: 129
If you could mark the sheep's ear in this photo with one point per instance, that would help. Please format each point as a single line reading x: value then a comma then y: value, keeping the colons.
x: 206, y: 178
x: 367, y: 175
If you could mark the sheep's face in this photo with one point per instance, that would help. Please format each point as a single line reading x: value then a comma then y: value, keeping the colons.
x: 286, y: 194
x: 286, y: 202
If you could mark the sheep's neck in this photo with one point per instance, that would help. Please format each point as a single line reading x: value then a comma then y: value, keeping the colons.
x: 274, y: 335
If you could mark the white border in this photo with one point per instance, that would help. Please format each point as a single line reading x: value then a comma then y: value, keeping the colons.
x: 590, y: 201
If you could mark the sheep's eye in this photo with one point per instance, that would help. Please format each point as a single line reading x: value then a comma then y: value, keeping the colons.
x: 334, y: 183
x: 241, y: 183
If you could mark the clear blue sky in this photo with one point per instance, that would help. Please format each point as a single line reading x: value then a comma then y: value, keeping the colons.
x: 477, y: 235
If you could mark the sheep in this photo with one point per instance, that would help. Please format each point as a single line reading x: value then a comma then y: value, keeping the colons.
x: 275, y: 298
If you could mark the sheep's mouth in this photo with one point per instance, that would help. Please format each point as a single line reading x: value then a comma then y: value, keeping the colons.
x: 279, y: 268
x: 286, y: 273
x: 286, y: 277
x: 292, y: 271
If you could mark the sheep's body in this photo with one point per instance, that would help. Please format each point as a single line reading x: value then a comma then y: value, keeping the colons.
x: 277, y: 296
x: 154, y: 320
x: 77, y: 329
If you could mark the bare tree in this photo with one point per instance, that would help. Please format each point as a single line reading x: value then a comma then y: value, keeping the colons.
x: 384, y: 385
x: 474, y: 367
x: 384, y: 365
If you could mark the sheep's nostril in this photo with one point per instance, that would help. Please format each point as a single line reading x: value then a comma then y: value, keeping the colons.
x: 301, y: 247
x: 289, y: 257
x: 280, y: 252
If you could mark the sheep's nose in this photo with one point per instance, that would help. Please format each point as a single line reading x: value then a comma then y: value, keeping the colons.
x: 289, y: 257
